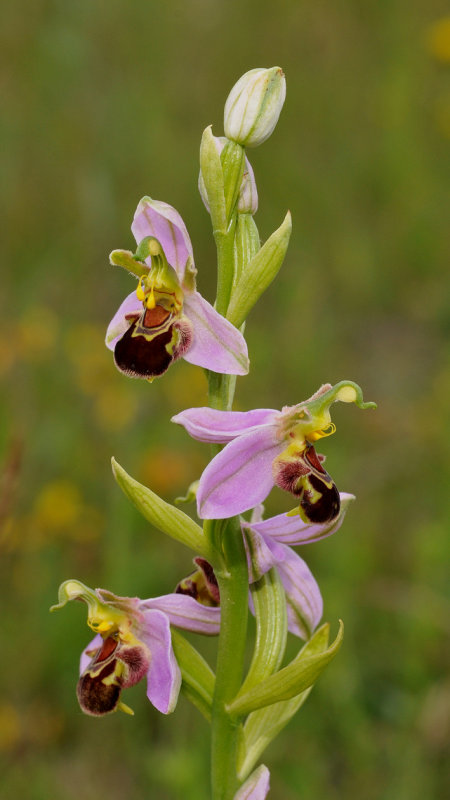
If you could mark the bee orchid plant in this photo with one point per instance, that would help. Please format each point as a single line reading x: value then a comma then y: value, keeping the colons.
x: 242, y: 561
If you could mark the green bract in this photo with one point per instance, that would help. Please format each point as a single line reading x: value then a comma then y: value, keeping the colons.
x: 259, y: 273
x: 212, y: 174
x: 299, y: 675
x: 262, y: 726
x: 168, y: 519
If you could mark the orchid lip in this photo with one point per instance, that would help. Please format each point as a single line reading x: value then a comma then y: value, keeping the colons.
x: 153, y: 341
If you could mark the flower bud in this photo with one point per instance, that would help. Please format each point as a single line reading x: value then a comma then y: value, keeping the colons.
x: 254, y: 105
x: 248, y: 193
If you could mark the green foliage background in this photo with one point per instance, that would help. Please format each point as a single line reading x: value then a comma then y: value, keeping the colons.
x: 104, y: 102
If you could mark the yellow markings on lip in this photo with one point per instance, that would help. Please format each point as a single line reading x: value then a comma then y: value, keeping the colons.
x: 113, y: 679
x: 313, y: 495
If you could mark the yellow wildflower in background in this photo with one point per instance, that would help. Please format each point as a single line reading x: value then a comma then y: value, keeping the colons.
x: 442, y: 116
x: 58, y: 505
x: 438, y: 40
x: 9, y: 727
x: 37, y: 333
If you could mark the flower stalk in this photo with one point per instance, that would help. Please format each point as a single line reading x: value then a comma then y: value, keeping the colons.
x: 229, y: 559
x: 242, y: 562
x: 232, y: 577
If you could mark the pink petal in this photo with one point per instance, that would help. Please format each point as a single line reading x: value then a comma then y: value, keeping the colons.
x: 118, y: 324
x: 217, y: 344
x: 185, y: 612
x: 240, y: 476
x: 164, y: 676
x: 210, y: 425
x: 292, y: 530
x: 263, y: 552
x: 94, y: 645
x: 256, y: 787
x: 155, y: 218
x: 303, y: 598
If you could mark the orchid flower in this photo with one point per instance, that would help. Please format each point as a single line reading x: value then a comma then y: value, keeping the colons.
x: 264, y: 448
x: 166, y: 318
x: 133, y: 641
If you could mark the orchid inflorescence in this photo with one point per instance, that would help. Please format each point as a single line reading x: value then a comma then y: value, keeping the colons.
x: 243, y: 562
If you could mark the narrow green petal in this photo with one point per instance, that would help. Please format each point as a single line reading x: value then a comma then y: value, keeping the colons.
x: 126, y: 260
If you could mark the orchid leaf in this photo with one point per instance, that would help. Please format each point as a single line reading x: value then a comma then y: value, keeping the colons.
x: 246, y: 244
x: 262, y: 726
x: 168, y: 519
x: 198, y: 677
x: 299, y: 675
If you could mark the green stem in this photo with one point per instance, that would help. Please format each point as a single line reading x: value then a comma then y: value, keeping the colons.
x: 221, y: 391
x: 230, y: 566
x: 225, y: 252
x: 232, y: 577
x: 225, y: 536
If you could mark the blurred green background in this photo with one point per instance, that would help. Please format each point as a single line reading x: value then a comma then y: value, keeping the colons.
x: 103, y: 102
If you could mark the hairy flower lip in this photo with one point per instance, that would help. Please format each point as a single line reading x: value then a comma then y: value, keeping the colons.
x: 139, y: 354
